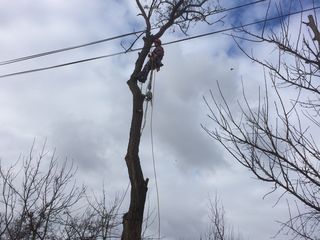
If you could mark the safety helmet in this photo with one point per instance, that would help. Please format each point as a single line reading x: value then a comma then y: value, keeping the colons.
x: 157, y: 41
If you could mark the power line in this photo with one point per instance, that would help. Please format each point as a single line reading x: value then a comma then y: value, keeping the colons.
x: 167, y: 43
x: 66, y: 49
x: 20, y: 59
x: 64, y: 64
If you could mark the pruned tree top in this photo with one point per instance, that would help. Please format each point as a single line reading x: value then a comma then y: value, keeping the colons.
x: 162, y: 15
x: 179, y: 13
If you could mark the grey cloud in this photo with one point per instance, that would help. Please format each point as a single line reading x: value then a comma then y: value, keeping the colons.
x: 82, y: 142
x: 179, y: 107
x: 85, y: 110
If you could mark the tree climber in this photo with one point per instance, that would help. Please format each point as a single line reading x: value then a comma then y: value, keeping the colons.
x: 154, y: 61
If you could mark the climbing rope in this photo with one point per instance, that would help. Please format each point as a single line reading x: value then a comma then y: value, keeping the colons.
x: 144, y: 118
x: 148, y: 98
x: 153, y: 158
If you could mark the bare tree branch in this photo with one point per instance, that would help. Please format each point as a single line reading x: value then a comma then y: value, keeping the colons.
x: 281, y: 149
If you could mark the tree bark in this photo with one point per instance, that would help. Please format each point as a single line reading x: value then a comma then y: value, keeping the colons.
x: 173, y: 12
x: 133, y: 219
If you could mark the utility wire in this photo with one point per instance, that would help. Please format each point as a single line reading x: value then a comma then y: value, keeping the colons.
x: 20, y: 59
x: 240, y: 26
x: 63, y: 64
x: 66, y: 49
x: 167, y: 43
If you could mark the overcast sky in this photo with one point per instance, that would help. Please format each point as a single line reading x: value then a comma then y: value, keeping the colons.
x: 84, y: 110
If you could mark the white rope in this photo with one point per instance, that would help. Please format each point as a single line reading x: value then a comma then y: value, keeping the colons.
x: 150, y: 85
x: 147, y: 104
x: 153, y: 159
x: 144, y: 117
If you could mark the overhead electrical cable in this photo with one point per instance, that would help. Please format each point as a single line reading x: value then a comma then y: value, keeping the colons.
x: 167, y: 43
x: 37, y: 55
x: 66, y: 49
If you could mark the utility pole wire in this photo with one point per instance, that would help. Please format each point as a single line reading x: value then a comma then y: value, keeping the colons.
x: 167, y: 43
x: 37, y: 55
x: 66, y: 49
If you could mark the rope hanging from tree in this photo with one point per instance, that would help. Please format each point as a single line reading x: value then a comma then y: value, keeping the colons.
x: 149, y: 99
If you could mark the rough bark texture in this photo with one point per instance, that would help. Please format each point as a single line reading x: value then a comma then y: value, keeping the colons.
x: 132, y: 220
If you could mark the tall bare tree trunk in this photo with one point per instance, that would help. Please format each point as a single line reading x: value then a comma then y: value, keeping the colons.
x: 132, y: 220
x: 180, y: 13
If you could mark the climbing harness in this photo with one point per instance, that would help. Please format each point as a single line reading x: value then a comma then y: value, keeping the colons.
x: 148, y: 94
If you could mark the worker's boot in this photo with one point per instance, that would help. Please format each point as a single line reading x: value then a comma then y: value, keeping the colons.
x: 139, y: 76
x: 142, y: 77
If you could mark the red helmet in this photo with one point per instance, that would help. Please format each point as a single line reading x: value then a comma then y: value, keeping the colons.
x: 157, y: 41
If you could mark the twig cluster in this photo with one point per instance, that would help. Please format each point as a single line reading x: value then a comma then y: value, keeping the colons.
x: 275, y: 139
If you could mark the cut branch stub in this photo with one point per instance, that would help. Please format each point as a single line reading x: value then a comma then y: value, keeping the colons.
x: 312, y: 24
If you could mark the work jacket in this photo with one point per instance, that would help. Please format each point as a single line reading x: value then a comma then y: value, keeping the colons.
x: 158, y: 53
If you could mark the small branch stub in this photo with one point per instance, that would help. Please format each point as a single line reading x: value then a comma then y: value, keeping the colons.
x: 312, y: 24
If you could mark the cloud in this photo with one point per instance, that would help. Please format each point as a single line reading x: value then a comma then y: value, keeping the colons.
x: 85, y: 111
x: 179, y: 107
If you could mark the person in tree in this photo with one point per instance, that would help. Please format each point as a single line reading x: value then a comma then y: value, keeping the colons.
x: 154, y: 62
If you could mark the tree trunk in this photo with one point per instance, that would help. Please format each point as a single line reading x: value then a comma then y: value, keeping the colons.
x: 181, y: 13
x: 133, y: 219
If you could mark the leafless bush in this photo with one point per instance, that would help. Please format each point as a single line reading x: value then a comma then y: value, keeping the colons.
x: 218, y: 228
x: 40, y: 200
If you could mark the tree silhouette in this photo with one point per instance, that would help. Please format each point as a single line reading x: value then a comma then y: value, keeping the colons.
x: 38, y: 202
x: 276, y: 139
x: 160, y: 15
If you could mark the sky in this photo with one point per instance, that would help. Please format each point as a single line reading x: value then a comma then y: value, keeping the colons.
x: 84, y: 110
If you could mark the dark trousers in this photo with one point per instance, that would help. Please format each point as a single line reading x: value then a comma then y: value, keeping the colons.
x: 152, y: 64
x: 143, y: 75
